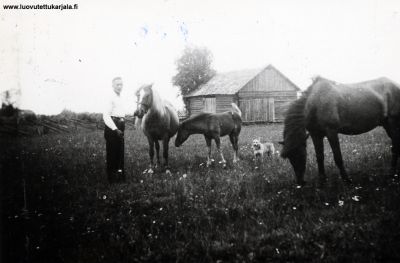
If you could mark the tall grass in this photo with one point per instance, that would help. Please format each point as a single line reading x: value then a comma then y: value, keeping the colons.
x: 250, y: 211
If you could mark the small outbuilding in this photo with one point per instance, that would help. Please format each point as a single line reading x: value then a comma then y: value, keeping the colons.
x: 261, y: 94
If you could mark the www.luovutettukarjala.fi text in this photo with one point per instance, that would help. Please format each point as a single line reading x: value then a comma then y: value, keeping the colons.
x: 41, y: 7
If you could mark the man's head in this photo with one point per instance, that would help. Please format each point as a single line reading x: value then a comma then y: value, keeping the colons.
x: 117, y: 85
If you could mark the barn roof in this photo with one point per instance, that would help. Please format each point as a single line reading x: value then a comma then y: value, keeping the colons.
x: 230, y: 83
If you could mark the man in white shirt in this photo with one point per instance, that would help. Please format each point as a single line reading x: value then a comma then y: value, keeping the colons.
x: 114, y: 120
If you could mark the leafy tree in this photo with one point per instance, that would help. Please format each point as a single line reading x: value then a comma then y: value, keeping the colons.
x: 7, y: 110
x: 194, y: 68
x: 7, y: 106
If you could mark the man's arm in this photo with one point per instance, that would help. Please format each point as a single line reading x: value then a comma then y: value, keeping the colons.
x: 107, y: 118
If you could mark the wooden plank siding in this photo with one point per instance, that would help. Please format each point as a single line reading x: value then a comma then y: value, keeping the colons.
x: 263, y: 99
x: 254, y: 110
x: 224, y: 103
x: 196, y: 105
x: 257, y: 110
x: 209, y: 105
x: 268, y: 80
x: 216, y: 104
x: 267, y: 109
x: 266, y: 94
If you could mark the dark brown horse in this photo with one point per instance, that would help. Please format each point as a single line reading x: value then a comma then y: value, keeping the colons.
x: 158, y: 120
x: 328, y: 108
x: 213, y: 126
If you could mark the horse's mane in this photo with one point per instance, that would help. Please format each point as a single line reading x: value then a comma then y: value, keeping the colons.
x: 294, y: 124
x: 196, y: 117
x: 157, y: 105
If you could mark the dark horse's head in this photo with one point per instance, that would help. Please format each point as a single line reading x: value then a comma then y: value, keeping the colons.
x: 182, y: 135
x: 295, y: 139
x: 144, y: 100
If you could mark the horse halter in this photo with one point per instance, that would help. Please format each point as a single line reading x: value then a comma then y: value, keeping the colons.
x: 145, y: 105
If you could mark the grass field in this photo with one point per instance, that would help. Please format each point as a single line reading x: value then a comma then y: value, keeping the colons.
x: 58, y: 207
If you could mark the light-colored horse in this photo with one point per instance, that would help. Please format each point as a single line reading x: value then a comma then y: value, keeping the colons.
x: 159, y: 121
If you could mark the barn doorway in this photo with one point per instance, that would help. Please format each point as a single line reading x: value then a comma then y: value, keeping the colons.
x: 210, y: 105
x: 258, y: 110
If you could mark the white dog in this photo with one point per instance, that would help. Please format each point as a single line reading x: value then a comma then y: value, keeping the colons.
x: 260, y: 148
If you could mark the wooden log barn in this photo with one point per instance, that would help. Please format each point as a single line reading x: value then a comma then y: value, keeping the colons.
x: 262, y: 94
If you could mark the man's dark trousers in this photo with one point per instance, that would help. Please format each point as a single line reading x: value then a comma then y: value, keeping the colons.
x: 115, y: 151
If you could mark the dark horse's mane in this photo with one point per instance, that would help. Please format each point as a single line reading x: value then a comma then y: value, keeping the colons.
x: 197, y: 116
x: 294, y: 132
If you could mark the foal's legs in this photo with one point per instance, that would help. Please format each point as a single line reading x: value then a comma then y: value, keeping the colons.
x: 337, y: 154
x: 208, y: 142
x: 318, y: 142
x: 165, y: 153
x: 394, y: 134
x: 394, y: 131
x: 218, y: 143
x: 151, y: 153
x: 157, y: 144
x: 234, y: 141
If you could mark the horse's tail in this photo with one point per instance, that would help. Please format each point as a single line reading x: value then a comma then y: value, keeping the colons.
x: 236, y: 109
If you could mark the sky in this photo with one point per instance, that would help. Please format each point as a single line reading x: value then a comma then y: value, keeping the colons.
x: 54, y: 60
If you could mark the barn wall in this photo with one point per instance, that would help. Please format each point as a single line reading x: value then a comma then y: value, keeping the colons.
x: 281, y: 95
x: 196, y: 105
x: 268, y: 80
x: 210, y: 105
x: 253, y: 109
x: 269, y: 108
x: 224, y: 103
x: 266, y: 97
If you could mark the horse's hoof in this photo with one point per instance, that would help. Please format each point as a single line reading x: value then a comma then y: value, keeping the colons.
x: 150, y: 171
x: 300, y: 185
x: 347, y: 181
x: 321, y: 183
